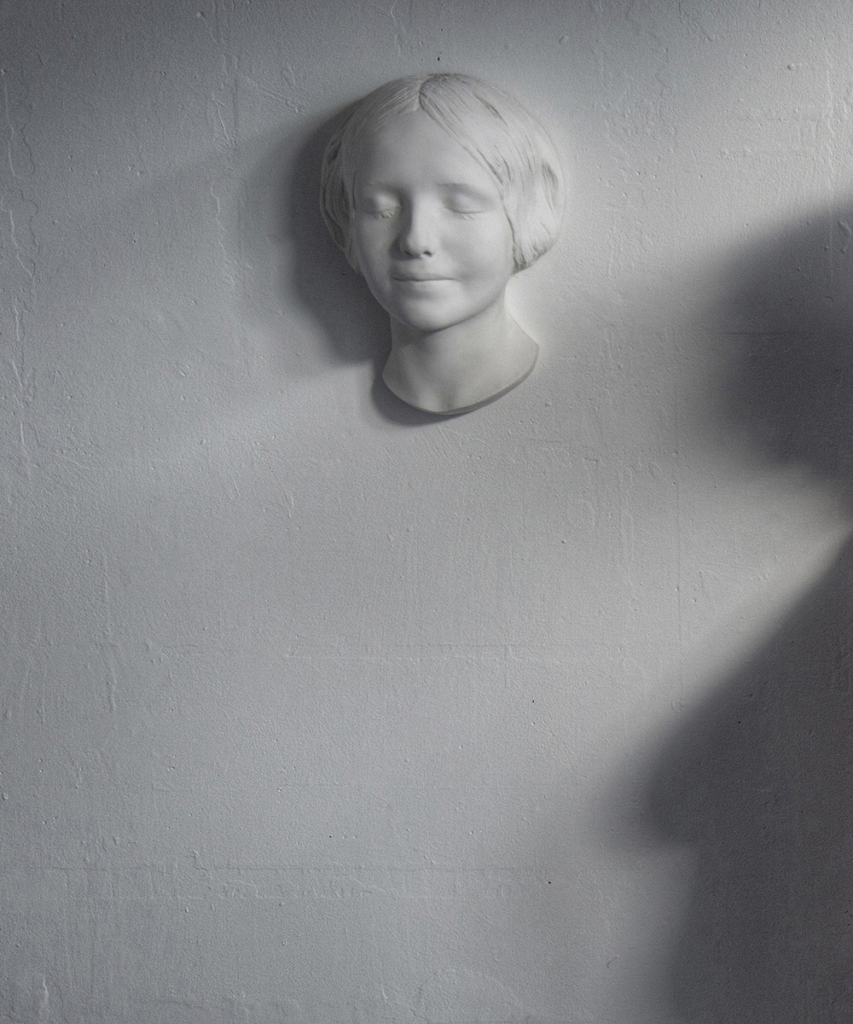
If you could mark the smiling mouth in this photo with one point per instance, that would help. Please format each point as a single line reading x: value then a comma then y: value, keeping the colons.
x: 417, y: 280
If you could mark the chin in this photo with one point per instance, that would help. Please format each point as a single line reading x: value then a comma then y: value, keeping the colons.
x: 425, y: 320
x: 434, y: 316
x: 427, y: 325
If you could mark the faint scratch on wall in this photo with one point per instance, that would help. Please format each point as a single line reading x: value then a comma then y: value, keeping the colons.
x: 402, y: 26
x: 222, y: 231
x: 19, y: 253
x: 847, y: 232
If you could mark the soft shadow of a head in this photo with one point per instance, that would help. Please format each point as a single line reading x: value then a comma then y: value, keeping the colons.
x: 789, y: 319
x: 756, y: 781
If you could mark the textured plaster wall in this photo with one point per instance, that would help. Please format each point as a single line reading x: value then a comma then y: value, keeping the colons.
x: 316, y: 710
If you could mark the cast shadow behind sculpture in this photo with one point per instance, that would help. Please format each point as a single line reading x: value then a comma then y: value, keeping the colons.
x: 331, y: 290
x: 336, y: 295
x: 286, y: 242
x: 758, y: 783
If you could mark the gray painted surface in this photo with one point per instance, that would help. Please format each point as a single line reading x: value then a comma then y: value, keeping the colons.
x: 317, y: 710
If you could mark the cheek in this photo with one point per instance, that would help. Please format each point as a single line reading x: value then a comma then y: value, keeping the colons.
x: 488, y: 240
x: 369, y: 243
x: 489, y: 255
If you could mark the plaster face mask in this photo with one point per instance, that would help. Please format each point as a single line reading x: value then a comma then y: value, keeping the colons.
x: 439, y: 188
x: 430, y: 232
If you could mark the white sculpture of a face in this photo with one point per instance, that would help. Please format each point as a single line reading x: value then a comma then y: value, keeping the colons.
x: 430, y: 232
x: 439, y: 188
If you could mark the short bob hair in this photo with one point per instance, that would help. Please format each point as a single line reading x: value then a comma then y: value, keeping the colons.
x: 494, y: 129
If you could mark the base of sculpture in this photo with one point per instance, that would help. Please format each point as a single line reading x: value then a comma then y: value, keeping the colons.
x: 434, y: 382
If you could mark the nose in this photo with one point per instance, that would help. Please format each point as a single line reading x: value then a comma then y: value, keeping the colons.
x: 418, y: 231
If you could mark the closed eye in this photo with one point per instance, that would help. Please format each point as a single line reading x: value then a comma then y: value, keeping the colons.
x: 381, y: 211
x: 379, y: 204
x: 464, y: 200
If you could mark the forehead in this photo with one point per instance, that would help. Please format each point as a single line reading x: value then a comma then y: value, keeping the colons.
x: 413, y: 149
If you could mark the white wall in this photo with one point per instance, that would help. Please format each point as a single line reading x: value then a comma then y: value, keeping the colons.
x: 316, y: 710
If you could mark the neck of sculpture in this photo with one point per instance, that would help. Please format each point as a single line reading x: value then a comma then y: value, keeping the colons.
x: 459, y: 367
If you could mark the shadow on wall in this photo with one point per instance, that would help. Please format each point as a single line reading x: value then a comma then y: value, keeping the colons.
x: 789, y: 386
x: 759, y: 781
x: 354, y: 325
x: 356, y: 329
x: 759, y: 784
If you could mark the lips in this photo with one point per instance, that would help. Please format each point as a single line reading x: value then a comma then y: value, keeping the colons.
x: 416, y: 278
